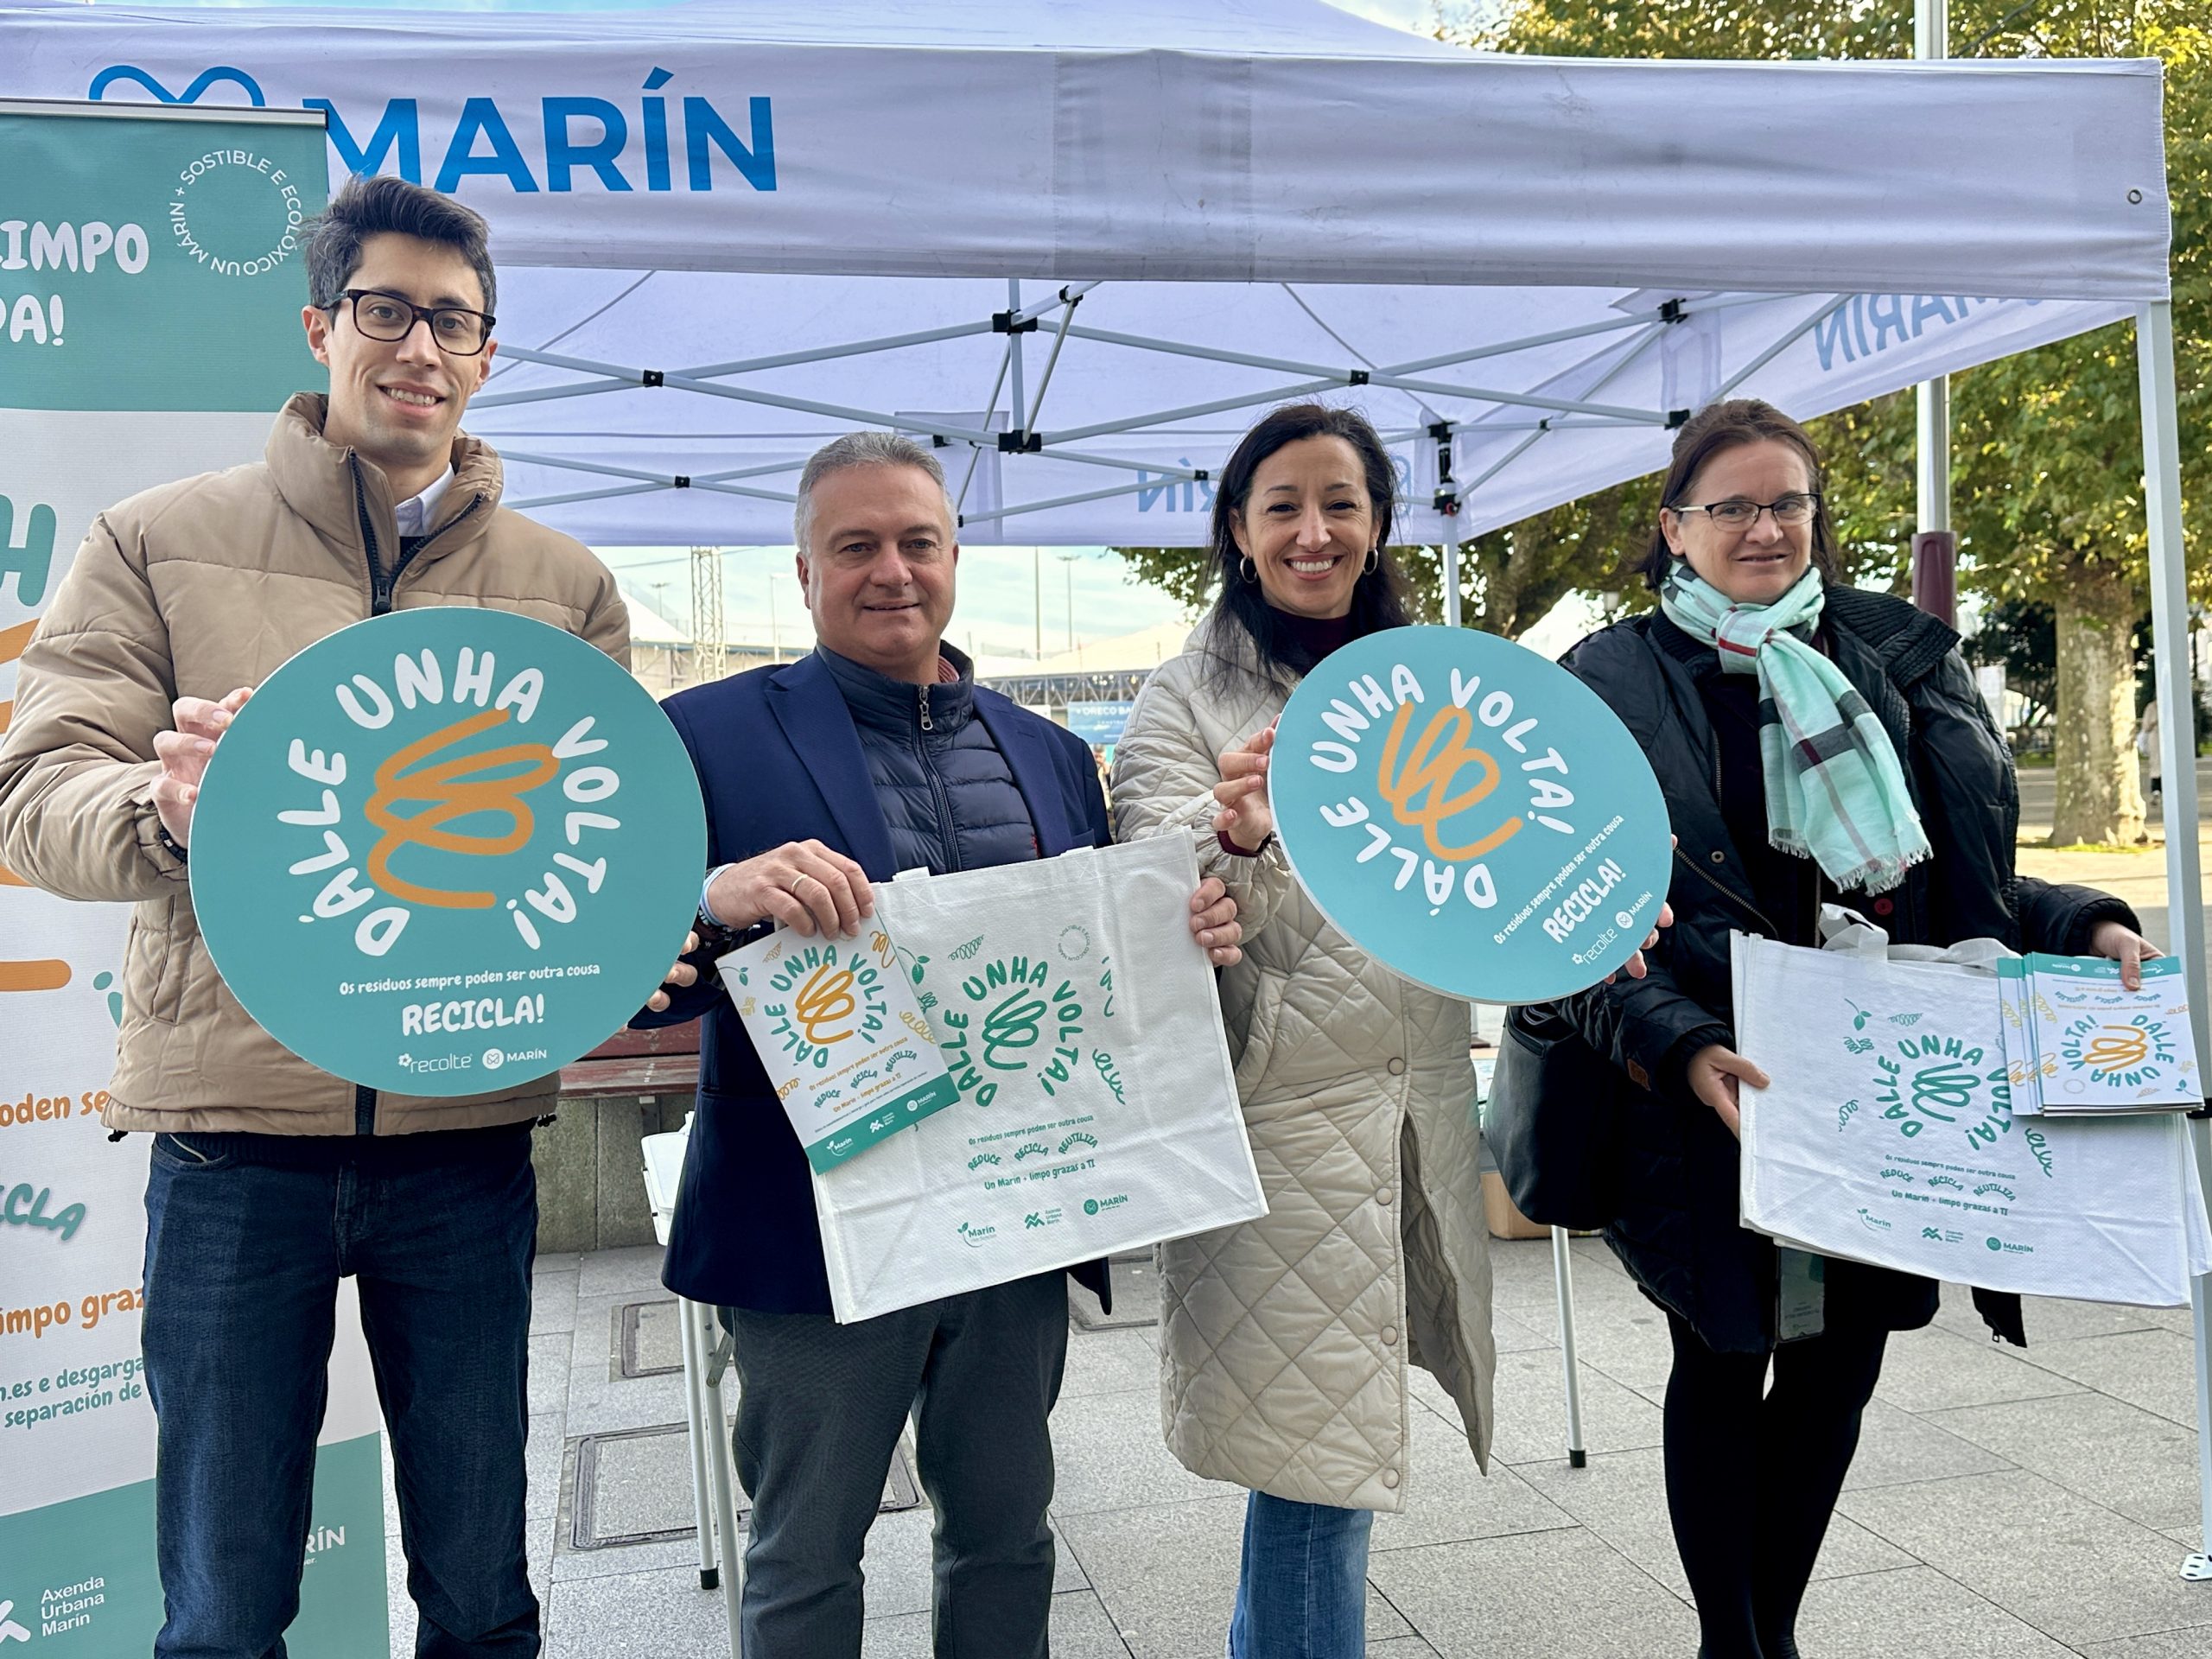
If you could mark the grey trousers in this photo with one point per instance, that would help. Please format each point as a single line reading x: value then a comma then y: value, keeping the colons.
x: 820, y: 1409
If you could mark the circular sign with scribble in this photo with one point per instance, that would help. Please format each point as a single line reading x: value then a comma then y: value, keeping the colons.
x: 1469, y: 814
x: 446, y: 850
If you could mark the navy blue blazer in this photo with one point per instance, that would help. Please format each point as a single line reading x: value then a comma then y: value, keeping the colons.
x: 778, y: 759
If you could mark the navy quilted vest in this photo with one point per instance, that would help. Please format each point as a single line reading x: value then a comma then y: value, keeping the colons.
x: 945, y: 790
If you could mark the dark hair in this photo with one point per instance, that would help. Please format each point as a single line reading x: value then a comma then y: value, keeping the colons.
x: 1722, y: 426
x: 1378, y: 598
x: 379, y: 205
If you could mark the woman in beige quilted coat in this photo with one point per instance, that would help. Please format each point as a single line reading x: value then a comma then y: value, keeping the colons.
x: 1285, y: 1341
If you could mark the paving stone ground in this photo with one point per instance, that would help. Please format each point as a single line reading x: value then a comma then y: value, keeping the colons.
x: 2008, y: 1504
x: 2004, y: 1505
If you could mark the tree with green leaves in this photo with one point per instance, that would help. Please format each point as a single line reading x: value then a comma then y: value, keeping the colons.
x: 2046, y: 446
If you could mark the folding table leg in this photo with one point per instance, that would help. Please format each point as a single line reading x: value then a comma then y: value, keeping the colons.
x: 720, y: 1474
x: 1563, y: 1283
x: 694, y: 1372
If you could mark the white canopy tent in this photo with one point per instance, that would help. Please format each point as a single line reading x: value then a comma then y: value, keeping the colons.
x: 1083, y: 247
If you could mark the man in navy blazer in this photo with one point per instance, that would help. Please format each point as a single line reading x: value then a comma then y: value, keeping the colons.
x: 874, y: 753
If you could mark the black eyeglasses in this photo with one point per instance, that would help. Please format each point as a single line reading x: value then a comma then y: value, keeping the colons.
x: 1797, y: 508
x: 457, y: 331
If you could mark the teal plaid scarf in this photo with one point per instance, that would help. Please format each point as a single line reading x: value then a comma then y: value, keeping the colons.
x: 1834, y: 791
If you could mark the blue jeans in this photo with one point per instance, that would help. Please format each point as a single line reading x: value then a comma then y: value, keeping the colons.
x: 1301, y: 1593
x: 246, y: 1238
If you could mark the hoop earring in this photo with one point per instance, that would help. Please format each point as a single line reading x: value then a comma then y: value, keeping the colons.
x: 1374, y: 562
x: 1247, y: 571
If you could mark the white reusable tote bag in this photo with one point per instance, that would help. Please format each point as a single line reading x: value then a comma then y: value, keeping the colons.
x: 1097, y: 1111
x: 1888, y: 1137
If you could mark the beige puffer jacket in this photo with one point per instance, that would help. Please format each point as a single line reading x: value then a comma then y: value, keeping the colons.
x: 1284, y: 1342
x: 187, y: 591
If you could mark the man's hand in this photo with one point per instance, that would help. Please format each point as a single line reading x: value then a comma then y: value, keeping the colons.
x: 1245, y: 816
x: 2124, y: 945
x: 1716, y: 1075
x: 1214, y: 923
x: 184, y: 753
x: 802, y: 884
x: 681, y: 975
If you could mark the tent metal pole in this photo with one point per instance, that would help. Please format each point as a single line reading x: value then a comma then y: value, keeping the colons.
x: 1451, y: 569
x: 1066, y: 295
x: 975, y: 454
x: 1158, y: 469
x: 1506, y: 349
x: 1789, y: 338
x: 1935, y: 550
x: 1391, y: 377
x: 1045, y: 381
x: 629, y: 381
x: 605, y: 470
x: 1014, y: 346
x: 1563, y: 1291
x: 875, y: 418
x: 1062, y: 501
x: 608, y: 494
x: 2154, y: 352
x: 1190, y: 411
x: 827, y: 353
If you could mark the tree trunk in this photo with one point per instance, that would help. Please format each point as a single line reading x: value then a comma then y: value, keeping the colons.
x: 2099, y: 798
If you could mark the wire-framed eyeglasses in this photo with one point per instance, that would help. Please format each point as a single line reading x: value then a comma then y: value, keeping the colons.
x: 1796, y: 507
x: 387, y: 317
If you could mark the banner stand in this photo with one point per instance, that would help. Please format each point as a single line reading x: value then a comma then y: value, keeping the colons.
x: 150, y: 289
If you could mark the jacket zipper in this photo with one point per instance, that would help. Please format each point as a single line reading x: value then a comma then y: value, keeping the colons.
x: 381, y: 589
x: 937, y: 783
x: 1772, y: 931
x: 379, y: 585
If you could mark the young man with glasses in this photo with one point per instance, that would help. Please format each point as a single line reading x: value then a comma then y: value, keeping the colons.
x: 271, y: 1180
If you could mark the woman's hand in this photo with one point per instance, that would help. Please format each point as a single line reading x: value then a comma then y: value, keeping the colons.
x: 1717, y: 1073
x: 681, y: 976
x: 1245, y: 816
x: 2124, y: 945
x: 1636, y: 967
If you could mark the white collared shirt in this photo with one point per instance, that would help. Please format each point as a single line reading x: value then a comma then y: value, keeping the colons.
x: 416, y: 513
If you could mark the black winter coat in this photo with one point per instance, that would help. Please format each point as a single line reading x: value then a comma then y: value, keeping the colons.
x: 1677, y: 1231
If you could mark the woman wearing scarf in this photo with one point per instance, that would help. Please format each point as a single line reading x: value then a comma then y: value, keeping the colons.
x: 1815, y: 742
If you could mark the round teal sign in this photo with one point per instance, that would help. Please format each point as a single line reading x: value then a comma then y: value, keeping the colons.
x: 1470, y: 815
x: 447, y: 850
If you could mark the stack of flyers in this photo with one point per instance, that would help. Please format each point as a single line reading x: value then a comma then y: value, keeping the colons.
x: 2078, y: 1043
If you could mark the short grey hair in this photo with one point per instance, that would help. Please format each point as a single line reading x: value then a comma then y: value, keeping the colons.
x: 858, y: 449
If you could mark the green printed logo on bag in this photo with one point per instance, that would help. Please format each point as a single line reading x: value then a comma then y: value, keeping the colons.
x: 1923, y: 1079
x: 1020, y: 1014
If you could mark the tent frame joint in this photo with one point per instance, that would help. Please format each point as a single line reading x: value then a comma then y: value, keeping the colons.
x: 651, y: 377
x: 1020, y: 441
x: 1010, y: 323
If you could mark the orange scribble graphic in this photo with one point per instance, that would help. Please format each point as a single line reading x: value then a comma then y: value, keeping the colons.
x: 826, y: 999
x: 12, y: 642
x: 2116, y: 1048
x: 1420, y: 791
x: 453, y: 789
x: 45, y: 976
x: 49, y: 975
